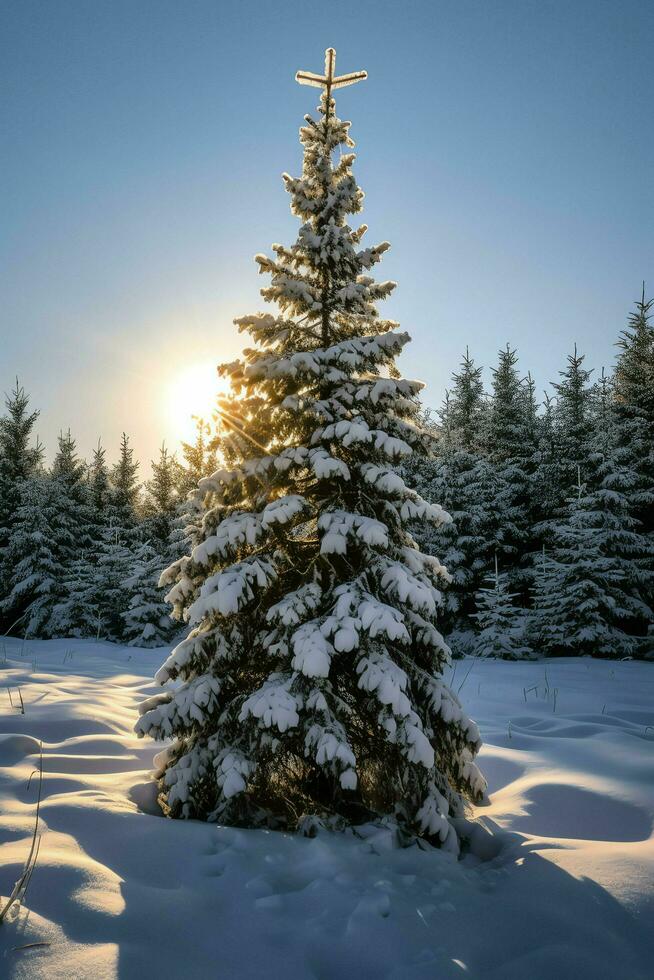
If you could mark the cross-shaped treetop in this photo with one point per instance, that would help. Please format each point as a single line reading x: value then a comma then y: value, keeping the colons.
x: 329, y: 80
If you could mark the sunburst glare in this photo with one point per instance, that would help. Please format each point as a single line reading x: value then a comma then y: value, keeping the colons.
x: 192, y: 393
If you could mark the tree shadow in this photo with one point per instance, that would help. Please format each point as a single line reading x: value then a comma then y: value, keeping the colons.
x: 194, y: 900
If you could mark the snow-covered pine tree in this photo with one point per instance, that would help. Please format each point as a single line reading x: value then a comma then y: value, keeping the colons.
x: 32, y: 558
x: 585, y: 592
x: 77, y: 609
x: 501, y: 623
x: 571, y: 431
x: 72, y: 535
x: 161, y: 500
x: 92, y: 590
x: 468, y: 406
x: 311, y: 681
x: 69, y: 473
x: 462, y: 481
x: 19, y: 461
x: 114, y: 562
x: 634, y: 406
x: 99, y: 486
x: 510, y: 449
x: 615, y: 490
x: 51, y: 530
x: 147, y: 618
x: 199, y: 458
x: 125, y: 487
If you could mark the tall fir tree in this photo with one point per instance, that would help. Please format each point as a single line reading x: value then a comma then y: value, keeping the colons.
x: 19, y: 459
x: 311, y: 681
x: 114, y: 564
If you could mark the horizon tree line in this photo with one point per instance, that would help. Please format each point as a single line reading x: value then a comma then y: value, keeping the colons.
x: 551, y: 544
x: 550, y: 548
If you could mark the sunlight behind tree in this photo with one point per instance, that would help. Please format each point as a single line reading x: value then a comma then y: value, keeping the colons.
x: 192, y: 392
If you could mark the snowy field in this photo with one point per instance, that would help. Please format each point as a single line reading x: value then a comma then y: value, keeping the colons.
x: 559, y: 884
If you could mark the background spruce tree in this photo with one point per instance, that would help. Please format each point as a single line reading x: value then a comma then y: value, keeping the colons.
x: 468, y: 406
x: 199, y: 458
x: 99, y: 485
x: 20, y: 459
x: 147, y: 620
x: 160, y: 507
x: 311, y: 681
x: 76, y: 611
x: 125, y: 487
x: 588, y: 594
x: 510, y: 447
x: 33, y: 558
x: 461, y: 480
x: 569, y: 430
x: 634, y: 408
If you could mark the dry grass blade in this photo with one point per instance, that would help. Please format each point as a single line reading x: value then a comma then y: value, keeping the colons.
x: 17, y: 949
x: 19, y: 889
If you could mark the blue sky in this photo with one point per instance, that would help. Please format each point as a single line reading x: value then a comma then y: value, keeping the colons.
x: 505, y: 149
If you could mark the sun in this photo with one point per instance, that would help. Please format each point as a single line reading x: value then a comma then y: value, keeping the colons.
x: 192, y: 392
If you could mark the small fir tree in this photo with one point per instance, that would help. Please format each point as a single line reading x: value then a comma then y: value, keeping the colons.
x: 311, y: 680
x: 501, y: 623
x: 125, y: 487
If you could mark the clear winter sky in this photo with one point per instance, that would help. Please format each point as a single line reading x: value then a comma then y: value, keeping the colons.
x: 505, y: 148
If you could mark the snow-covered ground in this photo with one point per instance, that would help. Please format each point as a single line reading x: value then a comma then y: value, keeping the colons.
x: 565, y: 890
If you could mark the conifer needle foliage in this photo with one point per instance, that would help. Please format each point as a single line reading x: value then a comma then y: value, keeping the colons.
x: 311, y: 681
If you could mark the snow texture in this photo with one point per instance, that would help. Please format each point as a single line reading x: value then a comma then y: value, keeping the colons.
x: 558, y: 879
